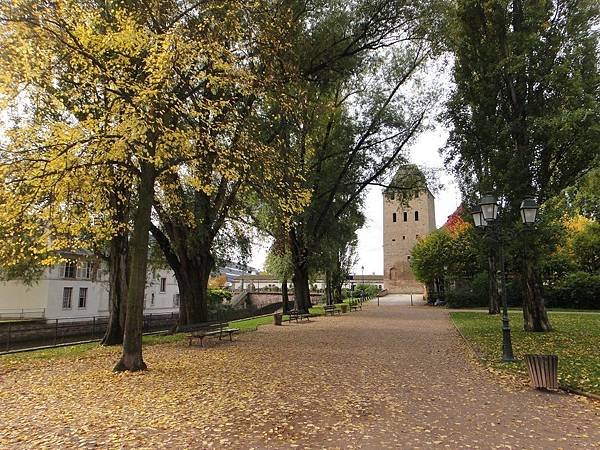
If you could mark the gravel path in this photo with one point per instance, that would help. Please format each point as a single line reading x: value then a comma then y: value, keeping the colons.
x: 392, y: 376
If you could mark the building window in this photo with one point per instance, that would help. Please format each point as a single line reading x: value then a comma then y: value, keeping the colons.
x: 69, y: 269
x: 152, y: 299
x: 163, y: 285
x: 416, y: 216
x: 408, y: 257
x: 393, y: 240
x: 405, y: 216
x: 403, y: 238
x: 393, y: 217
x: 85, y: 270
x: 67, y: 294
x: 82, y: 297
x: 176, y: 299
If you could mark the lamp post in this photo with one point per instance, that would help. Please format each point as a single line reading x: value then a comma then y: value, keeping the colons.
x: 362, y: 292
x: 485, y: 216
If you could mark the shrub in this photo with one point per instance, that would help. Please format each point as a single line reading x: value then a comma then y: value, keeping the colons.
x: 366, y: 290
x: 218, y: 296
x: 580, y: 290
x: 464, y: 297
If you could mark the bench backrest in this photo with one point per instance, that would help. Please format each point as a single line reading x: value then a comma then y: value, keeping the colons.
x: 204, y: 326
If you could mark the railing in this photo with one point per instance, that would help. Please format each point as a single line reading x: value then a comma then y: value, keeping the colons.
x: 18, y: 335
x: 27, y: 335
x: 22, y: 314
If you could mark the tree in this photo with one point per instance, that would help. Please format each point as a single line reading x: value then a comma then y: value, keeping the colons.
x: 279, y: 264
x: 355, y: 123
x: 524, y: 111
x: 110, y: 85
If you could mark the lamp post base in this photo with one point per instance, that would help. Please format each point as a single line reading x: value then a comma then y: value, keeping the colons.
x: 507, y: 352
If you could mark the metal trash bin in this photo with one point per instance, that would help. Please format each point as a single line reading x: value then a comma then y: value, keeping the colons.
x: 277, y: 318
x: 543, y: 371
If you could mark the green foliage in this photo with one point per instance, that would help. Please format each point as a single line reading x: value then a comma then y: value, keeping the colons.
x: 525, y: 109
x: 429, y: 256
x: 452, y: 255
x: 469, y: 294
x: 218, y: 296
x: 586, y: 247
x: 580, y: 290
x: 279, y: 264
x: 365, y: 290
x: 575, y: 339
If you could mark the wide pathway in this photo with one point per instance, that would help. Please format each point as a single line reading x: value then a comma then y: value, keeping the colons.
x: 389, y: 376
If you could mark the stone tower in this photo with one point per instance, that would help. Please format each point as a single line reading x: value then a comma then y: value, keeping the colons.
x: 402, y: 227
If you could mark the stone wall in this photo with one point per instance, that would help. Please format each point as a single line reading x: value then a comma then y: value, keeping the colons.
x: 261, y: 299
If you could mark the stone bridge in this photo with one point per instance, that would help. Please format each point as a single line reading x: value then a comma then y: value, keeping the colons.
x: 260, y: 300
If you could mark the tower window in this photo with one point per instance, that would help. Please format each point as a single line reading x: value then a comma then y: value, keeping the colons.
x: 416, y: 216
x: 403, y: 238
x: 393, y: 217
x: 405, y: 216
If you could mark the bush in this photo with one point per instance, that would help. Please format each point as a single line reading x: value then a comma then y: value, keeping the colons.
x: 364, y: 290
x: 470, y: 293
x: 218, y: 296
x: 464, y: 297
x: 579, y: 290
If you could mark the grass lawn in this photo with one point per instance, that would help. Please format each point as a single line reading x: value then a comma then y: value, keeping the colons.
x: 575, y: 339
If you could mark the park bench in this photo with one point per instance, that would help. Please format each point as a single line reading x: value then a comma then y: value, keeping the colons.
x: 331, y: 309
x: 296, y: 315
x: 202, y: 330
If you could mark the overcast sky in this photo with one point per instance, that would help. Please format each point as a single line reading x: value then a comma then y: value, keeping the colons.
x: 425, y: 152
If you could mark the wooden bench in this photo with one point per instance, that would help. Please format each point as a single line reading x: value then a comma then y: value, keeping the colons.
x: 202, y: 330
x: 331, y: 309
x: 294, y: 314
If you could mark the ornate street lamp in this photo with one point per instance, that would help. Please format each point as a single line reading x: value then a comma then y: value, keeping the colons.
x: 489, y: 207
x: 478, y: 217
x: 484, y: 216
x: 529, y: 210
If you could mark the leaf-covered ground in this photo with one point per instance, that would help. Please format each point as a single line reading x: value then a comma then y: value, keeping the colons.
x: 575, y: 339
x: 387, y: 377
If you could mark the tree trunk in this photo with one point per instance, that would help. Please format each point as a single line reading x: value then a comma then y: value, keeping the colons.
x: 301, y: 289
x: 494, y: 306
x: 192, y: 276
x: 534, y: 311
x: 285, y: 298
x: 191, y: 269
x: 117, y: 295
x: 300, y: 278
x: 329, y: 287
x: 337, y: 293
x: 131, y: 358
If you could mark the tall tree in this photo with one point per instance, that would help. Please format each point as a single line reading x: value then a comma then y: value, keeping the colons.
x: 99, y: 85
x: 524, y: 111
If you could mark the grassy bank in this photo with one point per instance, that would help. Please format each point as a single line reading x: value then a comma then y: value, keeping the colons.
x: 80, y: 350
x: 575, y: 339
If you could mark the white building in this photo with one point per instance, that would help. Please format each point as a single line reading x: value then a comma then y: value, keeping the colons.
x: 78, y: 289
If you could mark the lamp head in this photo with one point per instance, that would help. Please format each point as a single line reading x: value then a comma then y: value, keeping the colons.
x: 529, y: 209
x: 489, y: 207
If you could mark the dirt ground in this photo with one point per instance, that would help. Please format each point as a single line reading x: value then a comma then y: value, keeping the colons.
x: 392, y: 376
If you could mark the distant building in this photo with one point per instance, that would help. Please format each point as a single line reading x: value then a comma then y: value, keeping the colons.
x: 265, y: 282
x: 233, y: 271
x: 78, y: 289
x: 403, y: 226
